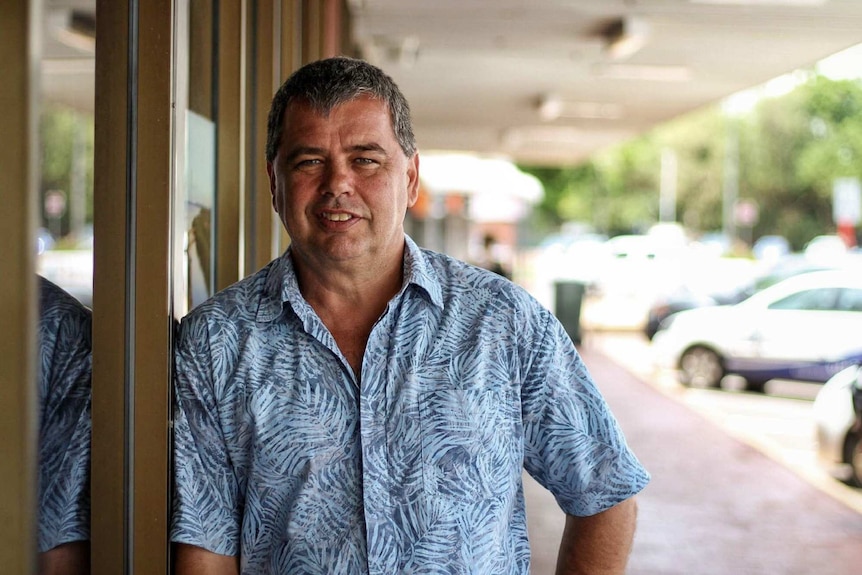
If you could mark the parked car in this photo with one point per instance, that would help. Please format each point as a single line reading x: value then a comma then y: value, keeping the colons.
x: 801, y: 328
x: 686, y: 298
x: 44, y: 241
x: 825, y: 249
x: 770, y: 248
x: 838, y: 421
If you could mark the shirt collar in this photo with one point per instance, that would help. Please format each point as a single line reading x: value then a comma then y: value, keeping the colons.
x: 281, y: 286
x: 419, y: 272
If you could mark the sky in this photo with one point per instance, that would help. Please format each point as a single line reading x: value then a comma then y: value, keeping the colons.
x: 845, y: 65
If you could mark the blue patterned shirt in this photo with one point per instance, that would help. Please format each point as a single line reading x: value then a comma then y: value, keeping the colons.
x: 64, y: 417
x: 287, y: 459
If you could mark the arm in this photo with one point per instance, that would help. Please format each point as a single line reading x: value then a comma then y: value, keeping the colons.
x: 191, y: 560
x: 599, y: 544
x: 66, y: 559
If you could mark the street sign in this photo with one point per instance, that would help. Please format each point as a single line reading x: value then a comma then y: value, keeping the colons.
x: 746, y: 213
x: 846, y: 201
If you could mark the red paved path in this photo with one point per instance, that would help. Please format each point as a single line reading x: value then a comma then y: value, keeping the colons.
x: 715, y: 506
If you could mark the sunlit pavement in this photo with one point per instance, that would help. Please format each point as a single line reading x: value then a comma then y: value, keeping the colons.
x: 735, y: 489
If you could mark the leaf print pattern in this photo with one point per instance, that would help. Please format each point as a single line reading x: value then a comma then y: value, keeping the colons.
x: 65, y: 368
x: 285, y: 458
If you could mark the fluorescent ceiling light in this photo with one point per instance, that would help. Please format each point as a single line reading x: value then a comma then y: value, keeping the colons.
x: 381, y: 50
x: 647, y: 73
x: 762, y: 2
x: 552, y: 107
x: 515, y: 138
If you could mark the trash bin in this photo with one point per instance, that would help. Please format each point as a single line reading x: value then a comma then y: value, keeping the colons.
x: 568, y: 297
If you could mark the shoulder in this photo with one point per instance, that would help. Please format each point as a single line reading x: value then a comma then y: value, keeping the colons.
x: 457, y: 276
x: 465, y: 286
x: 55, y: 300
x: 236, y: 302
x: 59, y: 308
x: 228, y: 312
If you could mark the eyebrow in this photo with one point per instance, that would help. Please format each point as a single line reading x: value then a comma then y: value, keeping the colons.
x: 314, y: 151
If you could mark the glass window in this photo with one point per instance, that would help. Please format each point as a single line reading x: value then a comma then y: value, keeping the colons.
x: 850, y: 300
x: 812, y: 299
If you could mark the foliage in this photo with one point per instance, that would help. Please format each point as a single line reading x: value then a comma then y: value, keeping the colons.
x: 791, y: 148
x: 66, y: 139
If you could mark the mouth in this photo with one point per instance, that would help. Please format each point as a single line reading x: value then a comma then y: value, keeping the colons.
x: 336, y: 216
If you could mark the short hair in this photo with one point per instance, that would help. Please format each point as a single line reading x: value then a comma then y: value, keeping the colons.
x: 328, y: 83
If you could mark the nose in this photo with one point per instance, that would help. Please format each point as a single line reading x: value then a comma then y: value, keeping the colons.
x: 337, y: 180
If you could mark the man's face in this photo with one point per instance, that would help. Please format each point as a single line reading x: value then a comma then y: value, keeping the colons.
x: 341, y: 184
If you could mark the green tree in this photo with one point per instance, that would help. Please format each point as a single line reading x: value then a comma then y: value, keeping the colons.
x: 791, y: 148
x: 66, y: 140
x: 801, y: 142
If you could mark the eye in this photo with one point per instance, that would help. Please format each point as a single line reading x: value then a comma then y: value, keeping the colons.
x: 307, y: 163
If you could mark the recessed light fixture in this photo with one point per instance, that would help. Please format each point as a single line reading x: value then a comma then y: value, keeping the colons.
x: 625, y: 36
x: 73, y: 28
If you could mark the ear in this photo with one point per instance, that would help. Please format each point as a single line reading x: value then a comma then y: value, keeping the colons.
x: 413, y: 180
x: 270, y: 172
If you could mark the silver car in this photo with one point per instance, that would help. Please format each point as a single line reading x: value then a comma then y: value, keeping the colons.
x: 838, y: 420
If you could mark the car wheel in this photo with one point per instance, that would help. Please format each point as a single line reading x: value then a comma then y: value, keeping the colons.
x: 701, y: 367
x: 854, y: 458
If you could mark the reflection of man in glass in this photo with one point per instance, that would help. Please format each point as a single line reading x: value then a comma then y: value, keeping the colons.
x: 64, y: 432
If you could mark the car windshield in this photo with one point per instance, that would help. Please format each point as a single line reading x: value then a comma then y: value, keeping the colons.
x: 822, y: 299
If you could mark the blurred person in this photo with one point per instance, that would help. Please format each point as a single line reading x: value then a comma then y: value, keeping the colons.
x: 490, y: 259
x: 362, y: 405
x: 65, y: 368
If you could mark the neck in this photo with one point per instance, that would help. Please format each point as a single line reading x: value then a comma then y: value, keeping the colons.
x: 349, y: 304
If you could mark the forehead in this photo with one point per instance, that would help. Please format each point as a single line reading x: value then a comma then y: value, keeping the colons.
x: 359, y: 115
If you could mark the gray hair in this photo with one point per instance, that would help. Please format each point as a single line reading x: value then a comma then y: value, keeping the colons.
x: 328, y: 83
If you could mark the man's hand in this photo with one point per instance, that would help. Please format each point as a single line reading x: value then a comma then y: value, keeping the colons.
x: 191, y: 560
x: 599, y: 544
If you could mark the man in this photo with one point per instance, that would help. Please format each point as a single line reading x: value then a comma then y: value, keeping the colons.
x: 361, y: 405
x: 65, y: 368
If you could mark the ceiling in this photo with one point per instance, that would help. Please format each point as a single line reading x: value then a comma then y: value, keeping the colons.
x: 476, y: 72
x: 533, y: 80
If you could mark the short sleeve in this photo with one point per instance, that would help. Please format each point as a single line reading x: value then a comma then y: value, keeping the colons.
x: 574, y: 446
x: 206, y: 508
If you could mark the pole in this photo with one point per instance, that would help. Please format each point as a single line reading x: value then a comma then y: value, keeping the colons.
x: 667, y: 192
x: 730, y: 188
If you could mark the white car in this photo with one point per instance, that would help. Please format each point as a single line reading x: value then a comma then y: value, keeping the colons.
x: 803, y: 328
x: 838, y: 421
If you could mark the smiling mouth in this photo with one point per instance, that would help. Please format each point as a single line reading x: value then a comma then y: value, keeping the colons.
x: 336, y: 217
